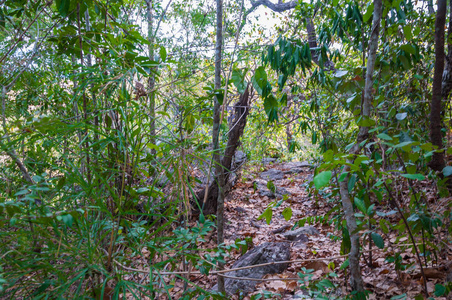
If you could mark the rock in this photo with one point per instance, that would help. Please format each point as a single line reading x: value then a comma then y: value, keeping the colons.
x: 292, y: 235
x: 268, y: 160
x: 309, y: 178
x: 263, y: 190
x: 272, y: 174
x: 264, y: 253
x: 296, y: 167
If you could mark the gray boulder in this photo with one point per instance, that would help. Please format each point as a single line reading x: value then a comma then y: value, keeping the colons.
x: 272, y: 174
x: 293, y: 235
x: 264, y: 253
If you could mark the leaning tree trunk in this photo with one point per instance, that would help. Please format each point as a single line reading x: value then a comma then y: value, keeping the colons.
x: 437, y: 163
x: 241, y: 110
x: 356, y: 280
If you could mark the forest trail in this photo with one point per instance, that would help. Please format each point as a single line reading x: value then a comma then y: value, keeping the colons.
x: 320, y: 251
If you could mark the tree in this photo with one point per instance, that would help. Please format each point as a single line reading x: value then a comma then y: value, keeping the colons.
x: 436, y: 137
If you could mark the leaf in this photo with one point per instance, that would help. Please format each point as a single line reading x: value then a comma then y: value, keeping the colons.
x: 407, y: 32
x: 267, y: 214
x: 163, y: 53
x: 440, y: 290
x: 238, y: 80
x: 402, y: 296
x: 360, y: 205
x: 366, y: 122
x: 340, y: 73
x: 260, y: 77
x: 63, y: 6
x: 271, y: 108
x: 322, y: 179
x: 67, y: 220
x: 287, y: 213
x: 342, y: 177
x: 369, y: 13
x: 351, y: 183
x: 384, y: 136
x: 401, y: 116
x: 378, y: 240
x: 414, y: 176
x: 447, y: 171
x: 408, y: 48
x: 271, y: 186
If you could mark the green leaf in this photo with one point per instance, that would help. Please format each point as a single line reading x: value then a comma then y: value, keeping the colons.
x: 260, y: 77
x: 366, y: 122
x: 271, y: 186
x: 322, y: 179
x: 271, y: 108
x: 408, y: 48
x: 378, y: 240
x: 342, y: 177
x: 351, y: 182
x: 163, y: 53
x: 287, y: 213
x: 440, y: 290
x: 360, y: 205
x: 67, y: 220
x: 369, y: 13
x: 447, y: 171
x: 402, y: 296
x: 384, y: 136
x: 414, y: 176
x: 283, y: 100
x: 267, y: 214
x: 407, y: 32
x: 63, y: 6
x: 238, y: 80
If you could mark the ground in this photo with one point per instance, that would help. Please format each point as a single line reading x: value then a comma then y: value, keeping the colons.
x: 319, y: 252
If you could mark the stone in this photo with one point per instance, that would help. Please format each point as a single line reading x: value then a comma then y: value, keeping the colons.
x: 296, y: 167
x: 263, y: 190
x: 292, y: 235
x: 272, y: 174
x: 264, y: 253
x: 268, y: 160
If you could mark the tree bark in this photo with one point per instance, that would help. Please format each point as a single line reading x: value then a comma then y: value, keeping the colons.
x: 356, y: 280
x: 437, y: 163
x: 215, y: 138
x: 151, y: 79
x: 446, y: 86
x: 241, y: 110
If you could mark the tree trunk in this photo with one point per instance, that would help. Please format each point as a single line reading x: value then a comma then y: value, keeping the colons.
x: 215, y: 138
x: 446, y: 86
x: 151, y: 79
x: 437, y: 163
x: 241, y: 110
x: 356, y: 280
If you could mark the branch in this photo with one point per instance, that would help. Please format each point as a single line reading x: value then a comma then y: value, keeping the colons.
x: 279, y: 7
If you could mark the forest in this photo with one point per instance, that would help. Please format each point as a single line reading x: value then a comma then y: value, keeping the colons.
x: 225, y: 149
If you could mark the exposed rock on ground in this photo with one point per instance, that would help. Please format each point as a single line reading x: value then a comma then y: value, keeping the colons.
x: 272, y: 174
x: 264, y: 253
x: 292, y: 235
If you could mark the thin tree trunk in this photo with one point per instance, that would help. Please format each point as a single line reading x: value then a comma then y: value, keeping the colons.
x: 447, y: 74
x: 437, y: 163
x: 356, y: 280
x: 85, y: 101
x: 215, y: 138
x: 151, y: 79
